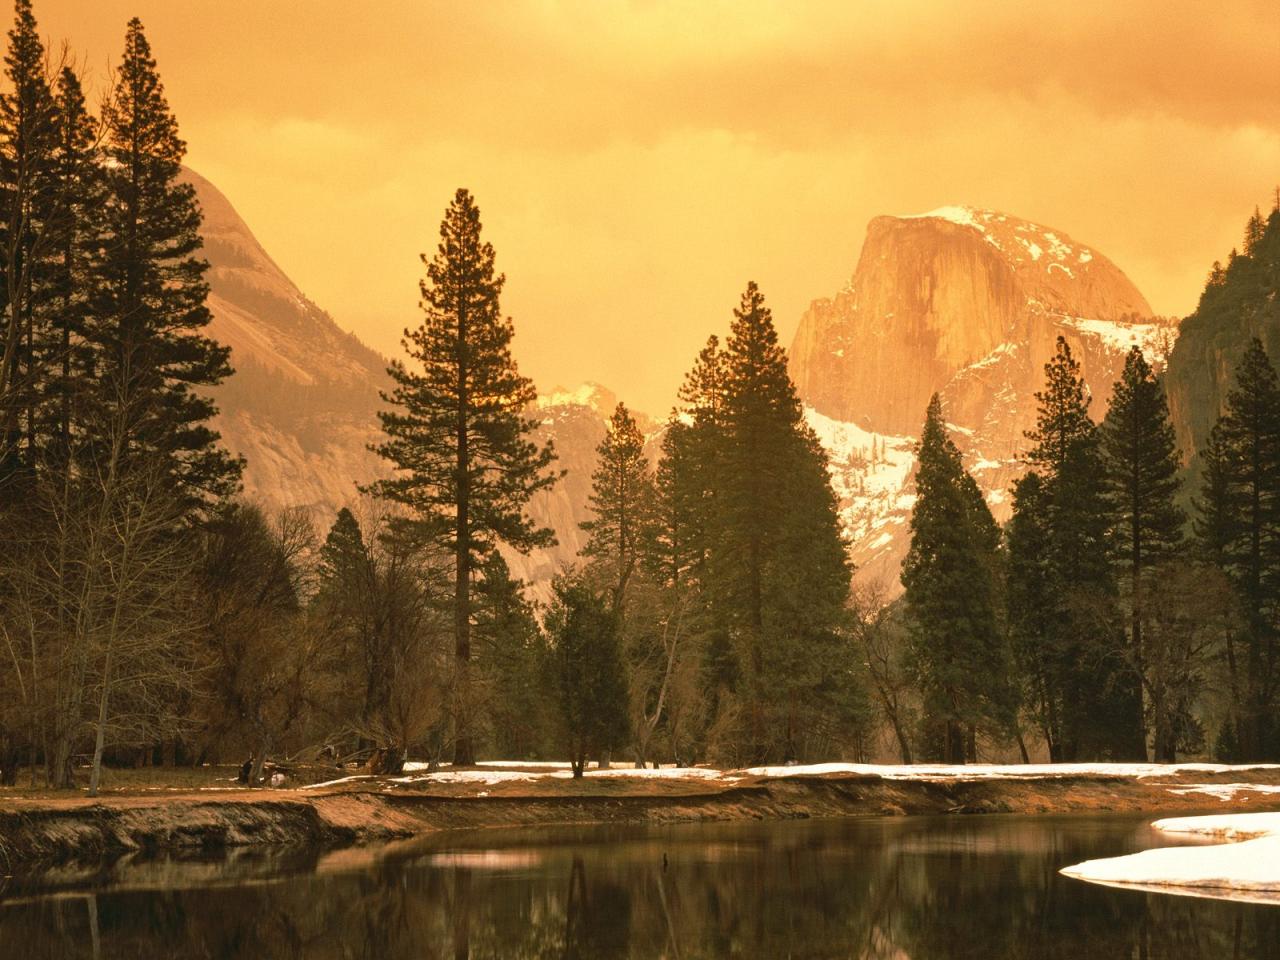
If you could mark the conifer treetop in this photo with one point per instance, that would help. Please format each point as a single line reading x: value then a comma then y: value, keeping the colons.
x: 1063, y: 416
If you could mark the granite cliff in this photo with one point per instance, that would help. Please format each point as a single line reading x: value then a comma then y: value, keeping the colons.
x: 967, y: 303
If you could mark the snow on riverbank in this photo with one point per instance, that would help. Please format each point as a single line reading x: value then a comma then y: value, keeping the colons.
x: 1246, y: 866
x: 1018, y: 771
x: 489, y: 772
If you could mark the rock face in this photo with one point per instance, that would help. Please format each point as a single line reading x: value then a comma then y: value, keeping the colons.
x: 300, y: 407
x: 1238, y: 304
x: 302, y: 404
x: 967, y: 303
x: 575, y: 422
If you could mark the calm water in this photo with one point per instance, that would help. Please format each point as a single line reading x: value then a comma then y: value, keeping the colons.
x: 918, y: 888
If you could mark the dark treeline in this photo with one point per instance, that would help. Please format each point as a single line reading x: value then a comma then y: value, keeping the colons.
x: 1110, y: 621
x: 150, y: 615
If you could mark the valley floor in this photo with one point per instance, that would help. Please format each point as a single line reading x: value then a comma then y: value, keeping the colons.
x: 142, y: 812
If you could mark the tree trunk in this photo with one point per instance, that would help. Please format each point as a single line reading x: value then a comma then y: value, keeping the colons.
x: 100, y: 736
x: 463, y: 747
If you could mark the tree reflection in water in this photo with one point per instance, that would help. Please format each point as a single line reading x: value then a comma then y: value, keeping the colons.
x: 983, y: 888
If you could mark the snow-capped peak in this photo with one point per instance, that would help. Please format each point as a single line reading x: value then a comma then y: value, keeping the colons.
x: 963, y: 215
x: 586, y: 394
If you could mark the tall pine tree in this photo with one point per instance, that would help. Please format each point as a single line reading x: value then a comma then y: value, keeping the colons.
x: 1032, y: 602
x: 28, y: 138
x: 457, y: 431
x: 79, y: 186
x: 1141, y: 460
x: 783, y: 571
x: 949, y: 576
x: 148, y: 315
x: 1239, y: 527
x: 622, y: 503
x: 1101, y: 702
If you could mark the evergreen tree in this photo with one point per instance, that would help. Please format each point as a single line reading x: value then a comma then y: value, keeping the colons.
x: 1032, y: 602
x: 783, y: 573
x: 507, y: 632
x: 584, y: 673
x: 672, y: 549
x: 149, y: 309
x: 1100, y: 693
x: 1063, y: 418
x: 1239, y: 527
x: 949, y: 579
x: 622, y: 496
x: 457, y: 431
x: 79, y: 186
x: 702, y: 463
x: 28, y: 138
x: 1141, y: 460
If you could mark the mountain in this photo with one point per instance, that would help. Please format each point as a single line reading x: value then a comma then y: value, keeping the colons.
x: 967, y: 303
x: 574, y: 421
x: 1239, y: 302
x: 302, y: 404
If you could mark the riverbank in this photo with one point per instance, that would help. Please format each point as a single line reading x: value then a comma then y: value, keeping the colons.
x: 51, y: 828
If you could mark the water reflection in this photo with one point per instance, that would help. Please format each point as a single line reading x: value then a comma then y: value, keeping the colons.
x: 909, y: 888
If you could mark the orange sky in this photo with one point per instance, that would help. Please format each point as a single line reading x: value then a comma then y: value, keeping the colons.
x: 637, y: 162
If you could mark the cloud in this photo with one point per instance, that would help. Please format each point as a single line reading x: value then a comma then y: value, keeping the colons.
x: 638, y: 160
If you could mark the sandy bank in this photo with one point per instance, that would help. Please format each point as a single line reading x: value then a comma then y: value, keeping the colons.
x: 54, y: 829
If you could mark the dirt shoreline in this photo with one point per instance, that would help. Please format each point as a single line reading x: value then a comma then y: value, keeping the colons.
x: 56, y: 830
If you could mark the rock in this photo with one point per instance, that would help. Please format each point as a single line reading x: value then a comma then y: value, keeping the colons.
x: 966, y: 303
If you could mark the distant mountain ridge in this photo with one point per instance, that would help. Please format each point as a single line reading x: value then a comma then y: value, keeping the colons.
x: 963, y: 301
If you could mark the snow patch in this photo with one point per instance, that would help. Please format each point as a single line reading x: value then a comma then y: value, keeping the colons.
x: 964, y: 216
x: 1225, y: 791
x: 1119, y: 336
x: 985, y: 771
x: 1246, y: 866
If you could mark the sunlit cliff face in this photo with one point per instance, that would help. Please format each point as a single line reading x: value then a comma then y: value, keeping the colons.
x: 637, y: 163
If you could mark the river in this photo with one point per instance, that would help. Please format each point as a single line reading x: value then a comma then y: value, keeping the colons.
x: 922, y: 888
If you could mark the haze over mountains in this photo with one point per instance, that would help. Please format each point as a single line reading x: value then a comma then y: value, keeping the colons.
x: 961, y: 301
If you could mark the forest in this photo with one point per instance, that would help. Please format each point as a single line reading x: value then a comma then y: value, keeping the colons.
x: 151, y: 615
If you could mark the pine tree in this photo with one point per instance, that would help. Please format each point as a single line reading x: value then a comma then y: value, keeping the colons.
x: 457, y: 431
x: 784, y: 568
x: 343, y: 550
x: 1063, y: 419
x: 949, y: 579
x: 585, y: 674
x: 1141, y: 460
x: 79, y: 186
x: 1253, y: 232
x: 1239, y: 527
x: 28, y: 137
x: 672, y: 550
x: 149, y: 308
x: 1032, y: 602
x: 1100, y: 693
x: 506, y: 630
x: 703, y: 467
x: 622, y: 495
